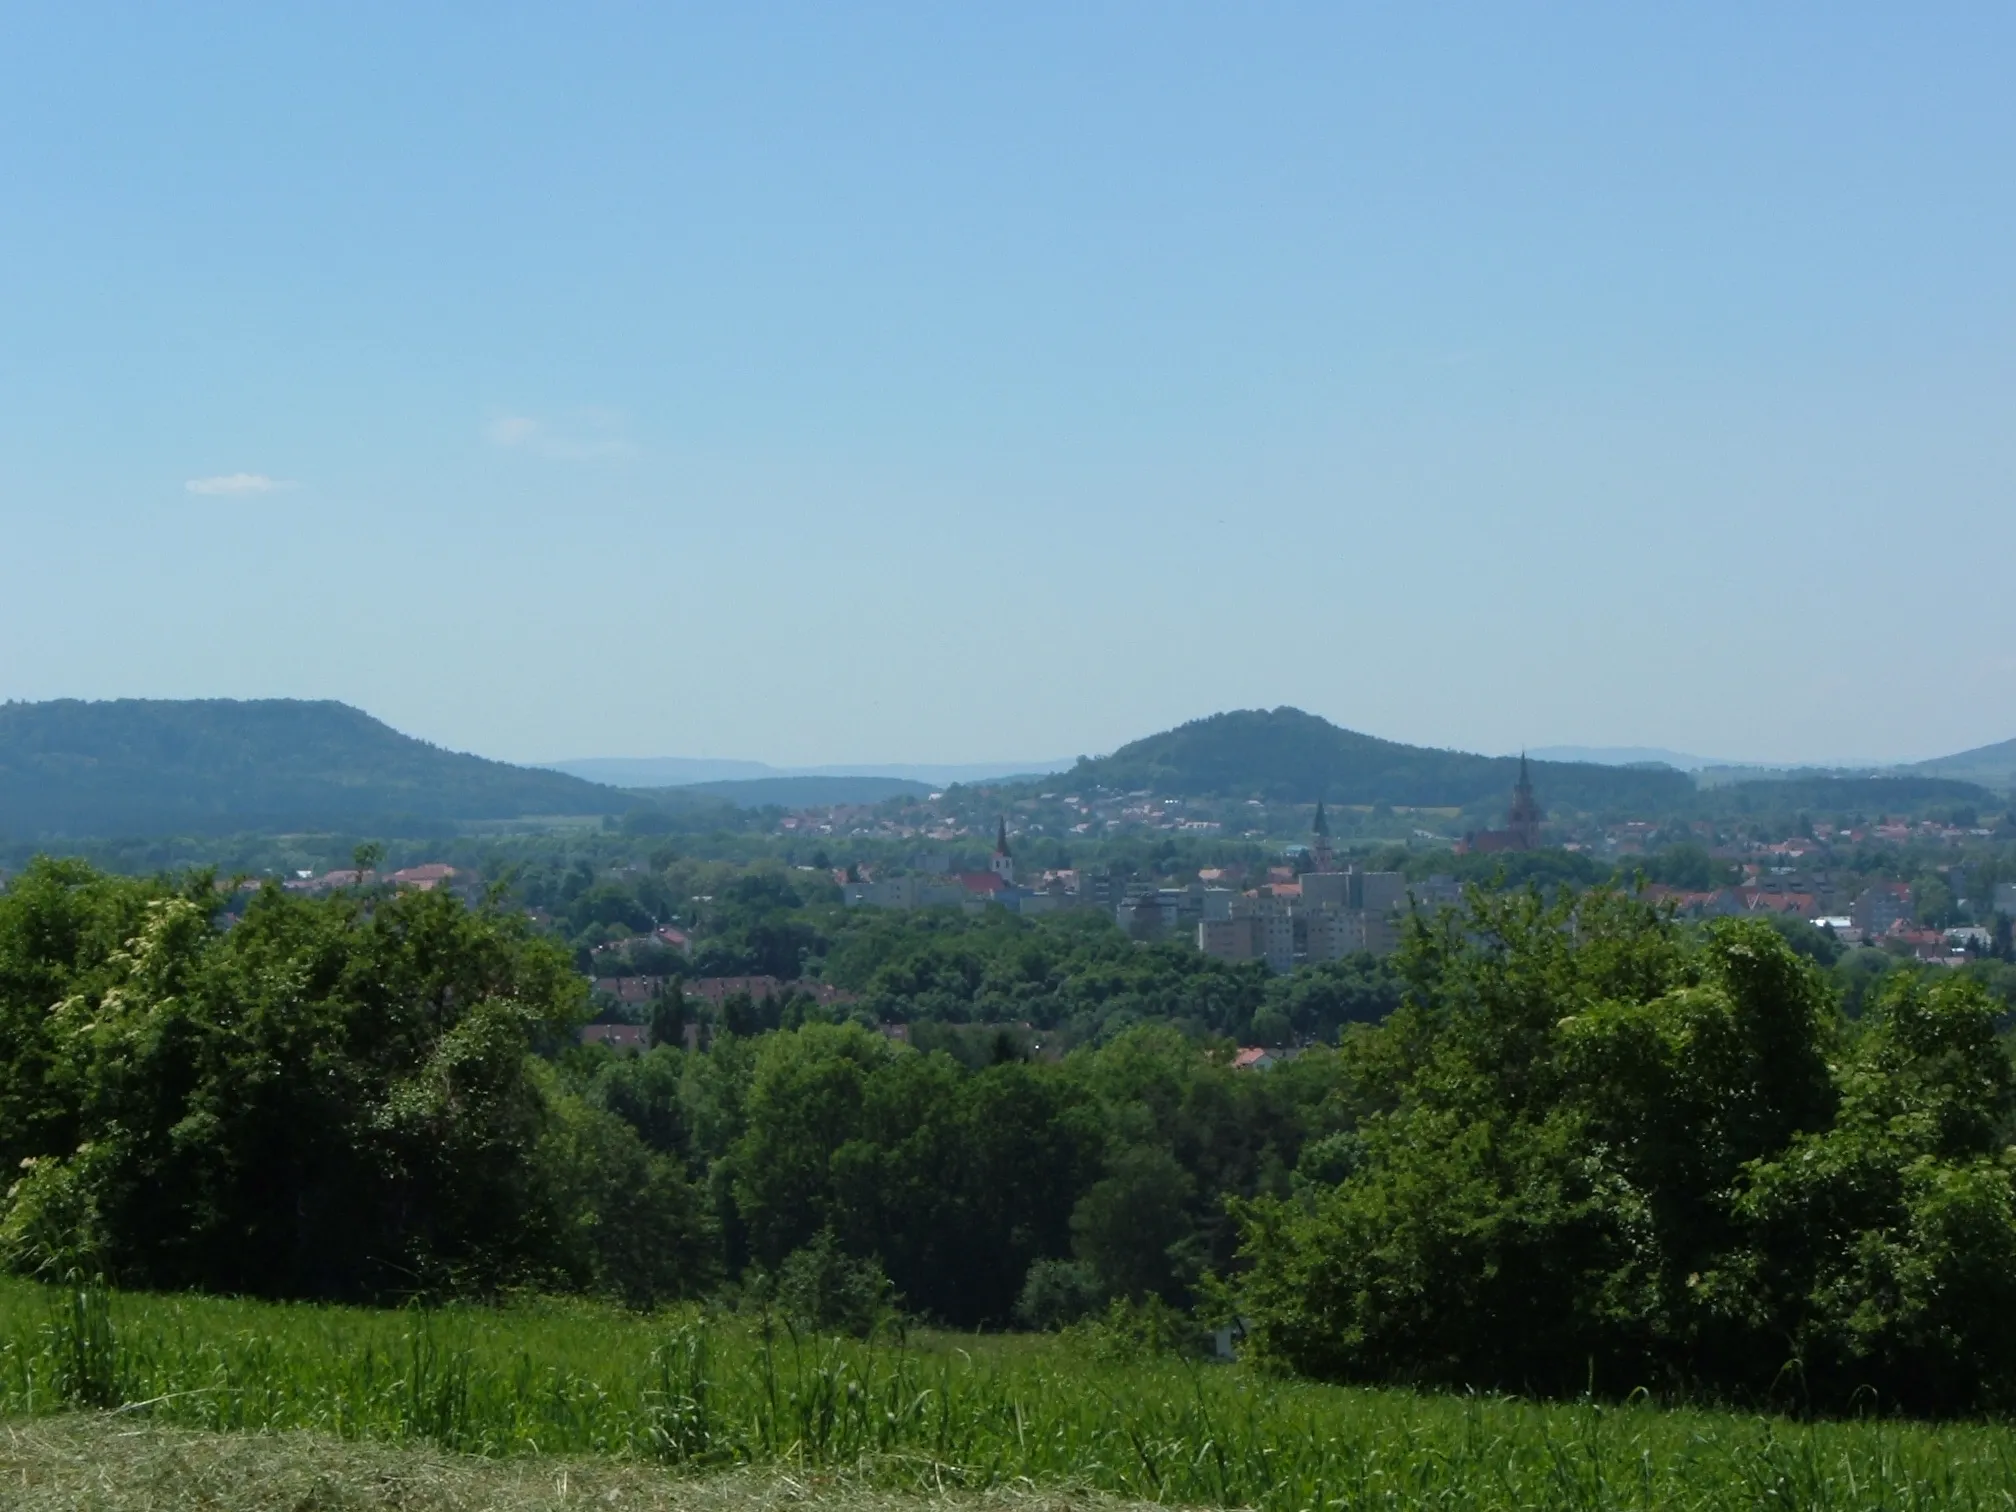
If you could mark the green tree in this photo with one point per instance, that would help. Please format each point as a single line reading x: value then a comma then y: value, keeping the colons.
x: 1620, y: 1154
x: 1133, y: 1227
x: 1884, y: 1247
x: 337, y: 1097
x: 804, y: 1102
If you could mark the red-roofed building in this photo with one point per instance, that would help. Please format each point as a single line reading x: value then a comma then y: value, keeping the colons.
x: 630, y: 990
x: 1797, y: 905
x: 423, y: 878
x: 717, y: 990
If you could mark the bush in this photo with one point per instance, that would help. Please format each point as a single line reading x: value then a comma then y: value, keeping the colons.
x: 822, y: 1288
x: 1129, y: 1332
x: 1057, y: 1293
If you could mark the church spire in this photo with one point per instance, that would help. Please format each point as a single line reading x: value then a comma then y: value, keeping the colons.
x: 1320, y: 852
x: 1523, y: 823
x: 1003, y: 865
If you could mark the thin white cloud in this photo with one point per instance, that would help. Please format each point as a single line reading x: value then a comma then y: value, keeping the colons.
x: 231, y: 484
x: 591, y: 436
x: 515, y: 430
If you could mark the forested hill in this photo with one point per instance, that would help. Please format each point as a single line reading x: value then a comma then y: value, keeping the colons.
x: 797, y: 792
x: 133, y: 767
x: 1285, y: 754
x: 1994, y: 765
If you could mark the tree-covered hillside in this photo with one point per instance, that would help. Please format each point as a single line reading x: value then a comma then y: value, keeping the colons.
x: 1994, y: 765
x: 1288, y: 755
x: 797, y: 792
x: 213, y: 766
x: 1889, y: 794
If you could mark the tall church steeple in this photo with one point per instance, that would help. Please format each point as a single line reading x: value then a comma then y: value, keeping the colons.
x: 1320, y: 851
x: 1523, y: 822
x: 1002, y: 864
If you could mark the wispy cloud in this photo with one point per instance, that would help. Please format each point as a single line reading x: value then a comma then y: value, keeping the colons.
x: 237, y: 483
x: 587, y: 436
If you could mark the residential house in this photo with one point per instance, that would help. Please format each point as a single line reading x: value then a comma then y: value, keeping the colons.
x: 631, y: 991
x: 423, y: 878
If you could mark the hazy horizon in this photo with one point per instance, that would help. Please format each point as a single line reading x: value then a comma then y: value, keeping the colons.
x: 910, y: 385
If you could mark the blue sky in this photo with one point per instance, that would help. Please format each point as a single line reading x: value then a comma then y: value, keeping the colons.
x: 939, y: 383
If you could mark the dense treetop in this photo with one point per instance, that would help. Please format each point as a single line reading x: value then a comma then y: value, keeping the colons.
x: 1598, y: 1152
x: 1571, y: 1145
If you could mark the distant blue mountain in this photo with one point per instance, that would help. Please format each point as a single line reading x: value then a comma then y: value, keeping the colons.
x: 1286, y: 754
x: 802, y: 792
x: 1680, y: 761
x: 695, y: 771
x: 1994, y: 765
x: 131, y: 767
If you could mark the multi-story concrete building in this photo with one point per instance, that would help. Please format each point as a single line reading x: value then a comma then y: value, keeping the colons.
x: 1375, y: 892
x: 1435, y: 894
x: 1229, y: 938
x: 1272, y: 922
x: 1881, y: 905
x: 1096, y: 888
x: 1323, y: 915
x: 905, y: 892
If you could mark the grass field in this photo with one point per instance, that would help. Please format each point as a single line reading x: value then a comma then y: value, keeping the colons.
x: 102, y: 1462
x: 939, y: 1414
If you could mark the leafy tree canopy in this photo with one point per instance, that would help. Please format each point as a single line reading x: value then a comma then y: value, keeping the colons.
x: 1600, y: 1151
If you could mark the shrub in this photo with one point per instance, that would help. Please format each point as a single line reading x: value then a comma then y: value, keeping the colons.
x: 820, y: 1287
x: 1057, y: 1293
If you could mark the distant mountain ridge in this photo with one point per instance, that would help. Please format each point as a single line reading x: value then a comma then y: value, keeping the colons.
x: 1680, y: 761
x: 796, y: 792
x: 697, y: 771
x: 138, y: 767
x: 131, y: 768
x: 1992, y: 765
x: 1287, y: 755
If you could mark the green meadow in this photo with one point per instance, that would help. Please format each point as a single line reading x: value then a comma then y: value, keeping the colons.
x: 937, y: 1412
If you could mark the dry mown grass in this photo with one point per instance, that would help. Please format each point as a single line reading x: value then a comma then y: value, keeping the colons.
x: 108, y: 1463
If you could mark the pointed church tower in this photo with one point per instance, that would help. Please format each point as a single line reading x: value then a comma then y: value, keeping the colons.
x: 1320, y: 851
x: 1523, y: 822
x: 1003, y: 864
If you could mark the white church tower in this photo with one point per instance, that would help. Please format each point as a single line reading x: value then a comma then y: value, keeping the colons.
x: 1003, y: 864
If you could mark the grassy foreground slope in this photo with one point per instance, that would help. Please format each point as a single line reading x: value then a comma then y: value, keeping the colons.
x: 106, y: 1462
x: 943, y: 1412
